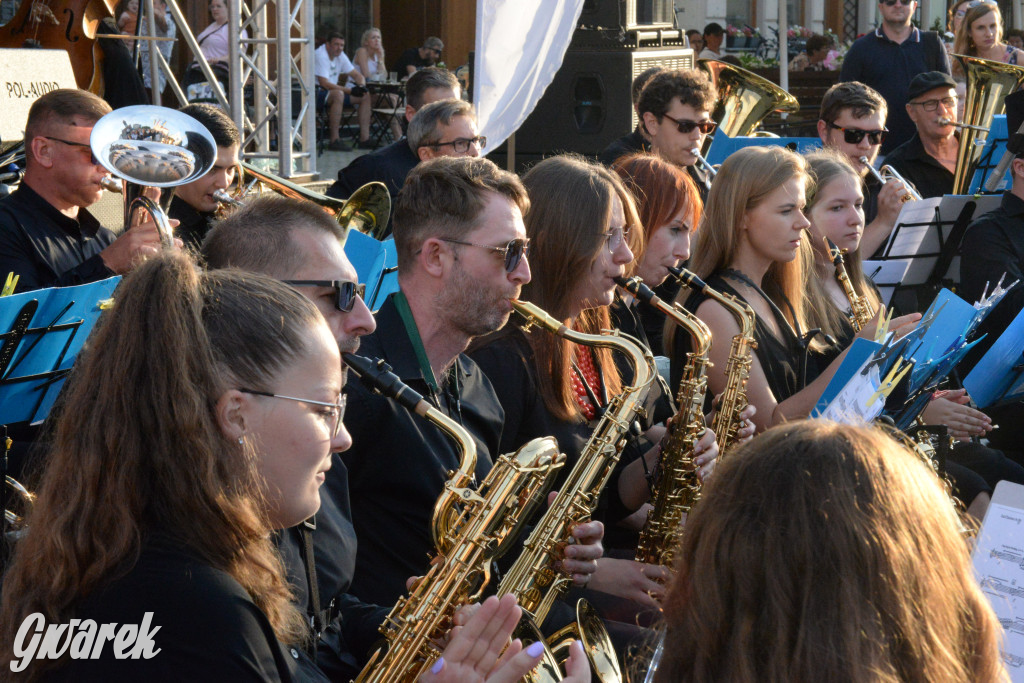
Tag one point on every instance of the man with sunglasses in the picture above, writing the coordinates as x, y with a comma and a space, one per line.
48, 238
928, 160
462, 251
675, 111
852, 121
889, 57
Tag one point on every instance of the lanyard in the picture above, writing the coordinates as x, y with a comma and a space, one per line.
402, 304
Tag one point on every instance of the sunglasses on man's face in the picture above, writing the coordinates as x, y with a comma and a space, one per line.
853, 136
513, 252
345, 293
890, 3
686, 126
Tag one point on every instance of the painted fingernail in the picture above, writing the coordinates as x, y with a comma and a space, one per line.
438, 665
535, 649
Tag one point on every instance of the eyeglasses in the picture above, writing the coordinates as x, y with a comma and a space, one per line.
890, 3
615, 237
932, 105
514, 251
335, 415
461, 145
345, 292
92, 157
686, 126
853, 136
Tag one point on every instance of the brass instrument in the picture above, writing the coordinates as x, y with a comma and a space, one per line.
470, 527
726, 421
147, 146
744, 98
943, 121
988, 84
860, 308
14, 520
887, 173
535, 578
709, 170
676, 487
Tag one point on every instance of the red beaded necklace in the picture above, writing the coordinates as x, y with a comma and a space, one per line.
585, 363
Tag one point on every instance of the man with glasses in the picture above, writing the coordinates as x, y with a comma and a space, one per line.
416, 58
852, 121
888, 58
928, 160
675, 111
462, 258
445, 129
48, 238
298, 243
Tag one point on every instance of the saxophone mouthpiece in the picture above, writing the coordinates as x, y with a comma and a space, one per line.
636, 287
376, 375
834, 251
688, 277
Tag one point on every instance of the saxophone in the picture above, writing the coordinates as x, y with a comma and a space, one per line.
860, 308
726, 421
535, 579
676, 486
478, 526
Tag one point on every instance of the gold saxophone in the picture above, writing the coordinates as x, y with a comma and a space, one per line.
860, 308
726, 421
535, 578
471, 528
676, 487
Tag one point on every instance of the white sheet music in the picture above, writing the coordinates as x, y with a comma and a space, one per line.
909, 240
886, 275
999, 566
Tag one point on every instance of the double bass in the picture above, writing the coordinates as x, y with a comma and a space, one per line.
69, 25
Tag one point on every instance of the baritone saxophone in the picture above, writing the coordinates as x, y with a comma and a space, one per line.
536, 578
676, 486
726, 421
477, 526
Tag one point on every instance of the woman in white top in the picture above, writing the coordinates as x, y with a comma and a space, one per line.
369, 59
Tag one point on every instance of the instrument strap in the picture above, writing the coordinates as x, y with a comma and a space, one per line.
316, 620
402, 305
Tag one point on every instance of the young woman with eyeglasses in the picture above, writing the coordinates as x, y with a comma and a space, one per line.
189, 431
981, 35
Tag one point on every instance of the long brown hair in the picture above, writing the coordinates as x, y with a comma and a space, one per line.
661, 190
827, 165
847, 565
570, 210
137, 448
963, 44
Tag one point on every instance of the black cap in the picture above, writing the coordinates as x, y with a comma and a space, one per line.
1014, 119
929, 80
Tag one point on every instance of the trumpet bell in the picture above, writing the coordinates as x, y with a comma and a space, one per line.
744, 98
153, 146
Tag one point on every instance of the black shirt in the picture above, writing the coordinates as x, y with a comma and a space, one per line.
911, 161
399, 461
410, 57
209, 627
193, 224
627, 144
45, 247
389, 165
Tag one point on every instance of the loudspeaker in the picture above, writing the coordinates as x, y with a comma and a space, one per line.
587, 105
628, 14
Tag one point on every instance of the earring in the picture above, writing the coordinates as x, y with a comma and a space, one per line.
241, 441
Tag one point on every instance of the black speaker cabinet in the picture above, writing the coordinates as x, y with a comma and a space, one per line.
587, 106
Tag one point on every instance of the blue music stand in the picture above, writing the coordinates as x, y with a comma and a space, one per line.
722, 145
995, 146
376, 264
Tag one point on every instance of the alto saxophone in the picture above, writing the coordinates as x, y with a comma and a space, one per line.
477, 526
676, 487
860, 308
535, 578
726, 421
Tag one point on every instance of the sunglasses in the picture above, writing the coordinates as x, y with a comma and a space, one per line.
853, 136
890, 3
345, 293
70, 143
513, 252
687, 126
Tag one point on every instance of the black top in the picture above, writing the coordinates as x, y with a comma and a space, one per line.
193, 224
398, 461
993, 245
624, 146
659, 406
931, 178
389, 165
779, 358
203, 622
888, 67
45, 247
410, 57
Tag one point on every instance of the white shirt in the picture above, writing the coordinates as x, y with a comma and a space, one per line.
329, 68
708, 53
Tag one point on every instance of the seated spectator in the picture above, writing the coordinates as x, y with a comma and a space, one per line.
369, 60
391, 164
416, 58
714, 34
813, 57
331, 64
696, 39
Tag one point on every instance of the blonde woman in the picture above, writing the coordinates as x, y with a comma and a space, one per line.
369, 59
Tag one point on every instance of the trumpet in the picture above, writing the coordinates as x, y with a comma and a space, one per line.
943, 121
887, 173
708, 168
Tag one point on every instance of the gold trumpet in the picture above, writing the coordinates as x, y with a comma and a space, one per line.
887, 173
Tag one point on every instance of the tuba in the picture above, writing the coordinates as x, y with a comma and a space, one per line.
744, 98
988, 84
148, 146
471, 528
534, 579
676, 486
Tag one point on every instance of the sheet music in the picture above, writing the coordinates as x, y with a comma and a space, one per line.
853, 404
886, 276
999, 566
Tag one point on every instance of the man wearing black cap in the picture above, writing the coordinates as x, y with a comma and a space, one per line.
928, 160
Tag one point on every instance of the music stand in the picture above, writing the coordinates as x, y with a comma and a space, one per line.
722, 145
995, 146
